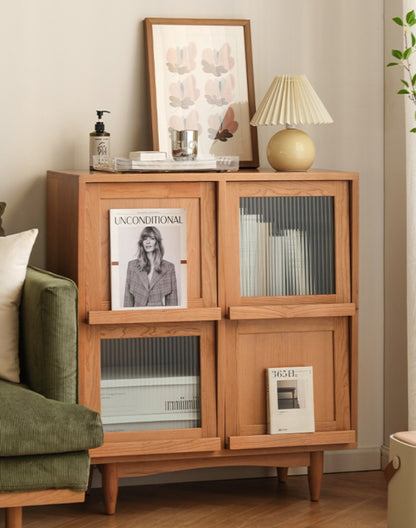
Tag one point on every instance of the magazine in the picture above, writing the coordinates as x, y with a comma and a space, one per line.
290, 407
148, 258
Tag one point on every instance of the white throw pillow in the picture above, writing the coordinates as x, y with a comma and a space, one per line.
14, 256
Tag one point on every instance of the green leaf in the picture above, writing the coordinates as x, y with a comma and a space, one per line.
398, 21
397, 53
411, 18
413, 130
405, 82
407, 53
413, 40
403, 91
393, 64
414, 79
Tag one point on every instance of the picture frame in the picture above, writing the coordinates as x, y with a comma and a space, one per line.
200, 77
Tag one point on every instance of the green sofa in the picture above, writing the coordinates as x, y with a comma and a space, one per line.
45, 434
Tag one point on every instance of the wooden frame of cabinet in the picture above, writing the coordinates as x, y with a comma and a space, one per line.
232, 428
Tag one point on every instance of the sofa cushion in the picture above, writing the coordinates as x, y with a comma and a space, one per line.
49, 335
2, 208
44, 472
14, 256
33, 425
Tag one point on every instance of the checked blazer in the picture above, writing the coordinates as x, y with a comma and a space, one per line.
162, 290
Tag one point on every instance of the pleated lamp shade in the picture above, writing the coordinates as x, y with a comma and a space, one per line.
291, 100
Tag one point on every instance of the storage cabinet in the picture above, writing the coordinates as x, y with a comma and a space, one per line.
271, 282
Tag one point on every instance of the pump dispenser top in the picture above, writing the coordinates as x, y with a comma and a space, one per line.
100, 141
99, 125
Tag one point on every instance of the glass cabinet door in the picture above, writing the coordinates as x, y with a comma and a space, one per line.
150, 383
290, 241
287, 245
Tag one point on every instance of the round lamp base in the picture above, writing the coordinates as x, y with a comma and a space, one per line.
291, 150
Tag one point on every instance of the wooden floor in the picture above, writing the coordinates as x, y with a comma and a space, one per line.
347, 500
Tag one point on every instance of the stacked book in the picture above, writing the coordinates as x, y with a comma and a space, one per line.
127, 164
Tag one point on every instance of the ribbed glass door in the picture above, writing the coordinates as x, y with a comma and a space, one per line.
150, 383
287, 246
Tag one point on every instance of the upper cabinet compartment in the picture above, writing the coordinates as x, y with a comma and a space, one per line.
291, 242
197, 198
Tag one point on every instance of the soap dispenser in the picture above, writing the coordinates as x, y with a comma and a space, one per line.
100, 141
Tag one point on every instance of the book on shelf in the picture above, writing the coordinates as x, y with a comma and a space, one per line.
147, 155
290, 406
273, 264
148, 258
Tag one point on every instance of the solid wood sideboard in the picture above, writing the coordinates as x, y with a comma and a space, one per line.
272, 281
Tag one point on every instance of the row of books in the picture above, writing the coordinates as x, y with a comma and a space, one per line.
273, 264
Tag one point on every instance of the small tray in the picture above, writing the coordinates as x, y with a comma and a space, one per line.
217, 164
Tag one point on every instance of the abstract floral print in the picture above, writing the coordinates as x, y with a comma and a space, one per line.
181, 60
184, 93
219, 89
219, 61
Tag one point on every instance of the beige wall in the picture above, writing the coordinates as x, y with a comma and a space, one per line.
60, 61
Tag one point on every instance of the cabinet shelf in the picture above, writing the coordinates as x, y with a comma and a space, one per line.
285, 311
323, 438
151, 447
102, 317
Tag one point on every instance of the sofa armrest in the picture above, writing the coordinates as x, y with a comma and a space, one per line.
49, 335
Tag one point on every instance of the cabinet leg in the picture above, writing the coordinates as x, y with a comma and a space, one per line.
282, 474
315, 472
14, 517
110, 487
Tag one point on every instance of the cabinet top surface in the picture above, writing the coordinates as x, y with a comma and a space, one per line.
86, 176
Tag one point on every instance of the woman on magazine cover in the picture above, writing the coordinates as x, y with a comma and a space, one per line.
151, 280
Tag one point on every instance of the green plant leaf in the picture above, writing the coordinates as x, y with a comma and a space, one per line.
403, 91
393, 64
411, 18
397, 53
413, 130
398, 21
413, 40
407, 53
405, 82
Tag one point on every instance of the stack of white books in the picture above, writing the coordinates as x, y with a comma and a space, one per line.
124, 164
148, 155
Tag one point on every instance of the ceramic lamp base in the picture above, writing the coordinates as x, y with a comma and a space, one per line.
291, 150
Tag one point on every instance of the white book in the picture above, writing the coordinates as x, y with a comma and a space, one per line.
277, 265
254, 234
134, 286
290, 407
146, 155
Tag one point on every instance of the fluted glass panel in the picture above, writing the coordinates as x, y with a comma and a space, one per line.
287, 246
150, 383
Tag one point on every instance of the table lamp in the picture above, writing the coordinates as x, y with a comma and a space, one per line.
291, 100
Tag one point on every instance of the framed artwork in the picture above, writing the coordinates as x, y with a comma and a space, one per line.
200, 75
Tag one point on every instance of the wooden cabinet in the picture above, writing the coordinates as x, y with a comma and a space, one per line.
271, 282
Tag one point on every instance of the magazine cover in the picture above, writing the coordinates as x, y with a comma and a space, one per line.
148, 258
290, 406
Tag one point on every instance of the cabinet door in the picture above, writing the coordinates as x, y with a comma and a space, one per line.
255, 346
198, 199
289, 242
155, 387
